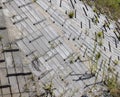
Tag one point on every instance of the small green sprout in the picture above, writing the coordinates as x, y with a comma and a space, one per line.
98, 55
99, 34
71, 14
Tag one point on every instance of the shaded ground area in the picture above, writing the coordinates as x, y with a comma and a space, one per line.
14, 74
109, 7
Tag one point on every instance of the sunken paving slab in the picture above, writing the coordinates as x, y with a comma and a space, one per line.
11, 63
13, 73
59, 49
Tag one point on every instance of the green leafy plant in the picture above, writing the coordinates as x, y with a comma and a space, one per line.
92, 66
78, 58
99, 38
96, 20
99, 34
95, 10
71, 14
71, 61
34, 0
94, 49
116, 62
97, 56
113, 86
49, 89
112, 83
100, 43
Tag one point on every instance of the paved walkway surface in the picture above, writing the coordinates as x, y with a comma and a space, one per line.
62, 53
11, 63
